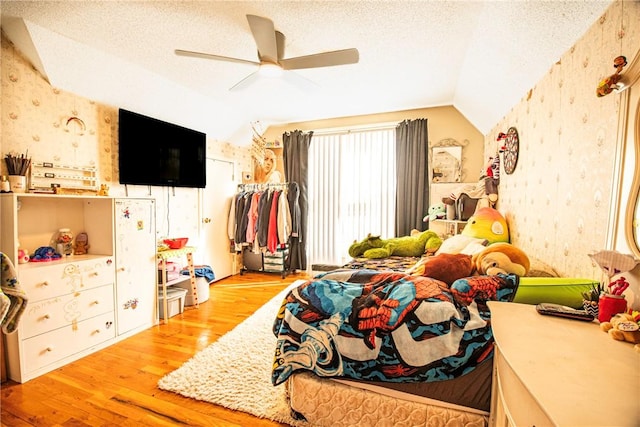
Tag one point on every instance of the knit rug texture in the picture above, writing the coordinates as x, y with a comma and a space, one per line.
235, 370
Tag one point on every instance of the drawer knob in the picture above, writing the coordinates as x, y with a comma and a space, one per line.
49, 349
96, 302
46, 317
45, 283
122, 269
97, 331
93, 274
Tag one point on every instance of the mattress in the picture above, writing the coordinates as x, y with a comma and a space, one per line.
558, 290
340, 402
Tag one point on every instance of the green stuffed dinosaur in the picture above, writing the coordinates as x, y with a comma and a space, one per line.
417, 244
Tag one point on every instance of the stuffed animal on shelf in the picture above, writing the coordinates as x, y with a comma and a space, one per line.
624, 327
501, 258
438, 211
611, 83
104, 190
417, 244
487, 223
81, 246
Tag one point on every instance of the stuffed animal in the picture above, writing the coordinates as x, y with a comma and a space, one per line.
611, 83
487, 223
438, 211
417, 244
624, 327
501, 258
81, 246
104, 190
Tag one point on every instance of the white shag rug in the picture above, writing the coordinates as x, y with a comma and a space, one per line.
235, 371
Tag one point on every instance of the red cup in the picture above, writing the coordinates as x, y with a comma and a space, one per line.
610, 305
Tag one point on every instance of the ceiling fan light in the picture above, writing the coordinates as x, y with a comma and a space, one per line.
270, 70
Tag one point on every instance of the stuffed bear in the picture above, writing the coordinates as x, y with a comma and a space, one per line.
417, 244
623, 327
438, 211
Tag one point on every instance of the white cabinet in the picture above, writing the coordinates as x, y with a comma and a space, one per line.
135, 240
78, 304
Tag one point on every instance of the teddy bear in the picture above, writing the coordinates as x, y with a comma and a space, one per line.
438, 211
624, 327
104, 190
416, 244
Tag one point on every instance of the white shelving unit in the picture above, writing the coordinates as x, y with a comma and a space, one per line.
77, 304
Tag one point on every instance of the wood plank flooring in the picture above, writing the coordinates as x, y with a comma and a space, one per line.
117, 386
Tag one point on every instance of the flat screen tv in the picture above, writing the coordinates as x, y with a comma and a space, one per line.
155, 152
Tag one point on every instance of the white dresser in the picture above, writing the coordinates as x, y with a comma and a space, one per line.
550, 371
80, 303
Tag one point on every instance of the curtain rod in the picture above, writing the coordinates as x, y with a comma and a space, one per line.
356, 128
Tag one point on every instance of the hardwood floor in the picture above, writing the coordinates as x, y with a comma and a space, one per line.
117, 386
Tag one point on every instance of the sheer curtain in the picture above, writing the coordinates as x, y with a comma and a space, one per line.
352, 191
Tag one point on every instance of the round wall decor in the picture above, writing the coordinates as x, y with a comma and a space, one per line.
510, 149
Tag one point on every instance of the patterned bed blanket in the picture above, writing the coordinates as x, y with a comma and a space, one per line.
387, 326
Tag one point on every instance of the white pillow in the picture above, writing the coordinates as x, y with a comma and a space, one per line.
458, 244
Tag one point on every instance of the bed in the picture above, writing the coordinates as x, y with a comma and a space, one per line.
367, 347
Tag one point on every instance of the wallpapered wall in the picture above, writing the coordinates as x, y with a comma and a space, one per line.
558, 200
34, 122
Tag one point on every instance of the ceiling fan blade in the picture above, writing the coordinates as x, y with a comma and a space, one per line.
325, 59
280, 40
300, 82
215, 57
265, 36
245, 83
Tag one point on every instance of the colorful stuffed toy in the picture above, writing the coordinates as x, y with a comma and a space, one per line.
438, 211
487, 223
624, 327
417, 244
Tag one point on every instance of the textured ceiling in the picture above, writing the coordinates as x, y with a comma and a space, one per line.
479, 56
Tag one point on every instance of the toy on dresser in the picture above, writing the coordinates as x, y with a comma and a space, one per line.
624, 327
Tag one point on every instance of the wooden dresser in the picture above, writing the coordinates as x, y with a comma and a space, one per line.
550, 371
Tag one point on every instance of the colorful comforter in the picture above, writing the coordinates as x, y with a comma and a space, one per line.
387, 326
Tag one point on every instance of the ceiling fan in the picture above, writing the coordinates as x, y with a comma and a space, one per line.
271, 61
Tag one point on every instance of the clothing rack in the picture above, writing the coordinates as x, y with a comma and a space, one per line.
262, 186
261, 231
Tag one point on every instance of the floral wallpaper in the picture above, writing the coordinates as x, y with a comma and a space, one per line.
35, 122
558, 200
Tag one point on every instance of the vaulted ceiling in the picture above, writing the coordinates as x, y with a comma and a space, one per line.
479, 56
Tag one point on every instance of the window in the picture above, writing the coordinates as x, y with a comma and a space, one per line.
352, 184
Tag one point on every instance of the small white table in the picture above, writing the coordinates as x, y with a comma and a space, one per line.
550, 371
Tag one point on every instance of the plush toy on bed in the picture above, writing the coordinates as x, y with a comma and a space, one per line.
417, 244
497, 258
487, 223
501, 258
624, 327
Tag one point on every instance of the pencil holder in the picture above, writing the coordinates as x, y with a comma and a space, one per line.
18, 183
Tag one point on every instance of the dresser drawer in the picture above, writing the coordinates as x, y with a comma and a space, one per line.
65, 277
53, 346
46, 315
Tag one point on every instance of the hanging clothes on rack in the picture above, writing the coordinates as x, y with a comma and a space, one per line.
260, 217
